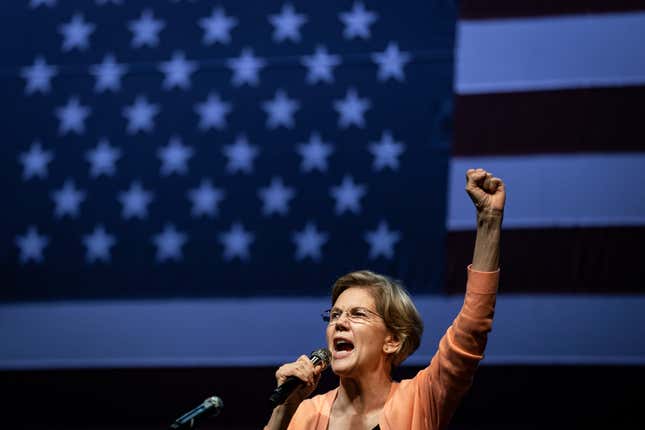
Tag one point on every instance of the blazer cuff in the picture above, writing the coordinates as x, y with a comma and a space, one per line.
482, 282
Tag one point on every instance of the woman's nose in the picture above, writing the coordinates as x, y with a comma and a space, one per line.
342, 322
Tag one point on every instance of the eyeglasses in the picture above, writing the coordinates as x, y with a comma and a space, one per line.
356, 315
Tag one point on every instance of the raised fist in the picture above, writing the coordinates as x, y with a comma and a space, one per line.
486, 192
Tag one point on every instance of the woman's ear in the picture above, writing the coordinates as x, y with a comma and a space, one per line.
392, 344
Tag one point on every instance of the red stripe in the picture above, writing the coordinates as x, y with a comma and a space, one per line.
579, 260
477, 9
564, 121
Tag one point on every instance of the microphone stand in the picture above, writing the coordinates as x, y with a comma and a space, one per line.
211, 407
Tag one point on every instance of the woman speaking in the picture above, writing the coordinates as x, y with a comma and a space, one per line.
373, 326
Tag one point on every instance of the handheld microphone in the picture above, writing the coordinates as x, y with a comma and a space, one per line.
211, 407
319, 357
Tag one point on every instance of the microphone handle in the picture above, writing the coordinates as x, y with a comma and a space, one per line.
281, 393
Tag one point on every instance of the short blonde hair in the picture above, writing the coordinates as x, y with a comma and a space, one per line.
393, 303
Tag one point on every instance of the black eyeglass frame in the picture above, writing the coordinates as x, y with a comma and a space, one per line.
327, 318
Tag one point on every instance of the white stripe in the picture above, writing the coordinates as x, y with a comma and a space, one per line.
581, 190
550, 53
546, 329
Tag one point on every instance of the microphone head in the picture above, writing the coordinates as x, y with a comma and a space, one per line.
214, 401
215, 404
320, 357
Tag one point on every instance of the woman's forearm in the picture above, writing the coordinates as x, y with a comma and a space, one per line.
486, 254
281, 417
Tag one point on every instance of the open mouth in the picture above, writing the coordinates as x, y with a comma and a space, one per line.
342, 348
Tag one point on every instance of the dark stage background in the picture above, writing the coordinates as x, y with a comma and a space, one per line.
502, 397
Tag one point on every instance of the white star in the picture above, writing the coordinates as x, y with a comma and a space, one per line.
240, 155
314, 153
246, 68
177, 71
169, 243
308, 242
351, 109
280, 110
212, 112
98, 245
67, 200
72, 117
286, 24
108, 74
146, 30
31, 245
102, 158
33, 4
386, 152
357, 21
135, 201
382, 241
391, 62
348, 195
76, 33
205, 199
38, 76
35, 161
236, 242
275, 197
174, 157
140, 115
320, 65
217, 27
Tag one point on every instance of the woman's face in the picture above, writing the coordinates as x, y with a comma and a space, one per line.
357, 342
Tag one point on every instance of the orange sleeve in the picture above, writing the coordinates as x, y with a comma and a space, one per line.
439, 387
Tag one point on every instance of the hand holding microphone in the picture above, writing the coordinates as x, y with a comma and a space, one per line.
299, 379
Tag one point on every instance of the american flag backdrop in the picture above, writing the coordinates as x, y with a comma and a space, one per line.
211, 149
184, 179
